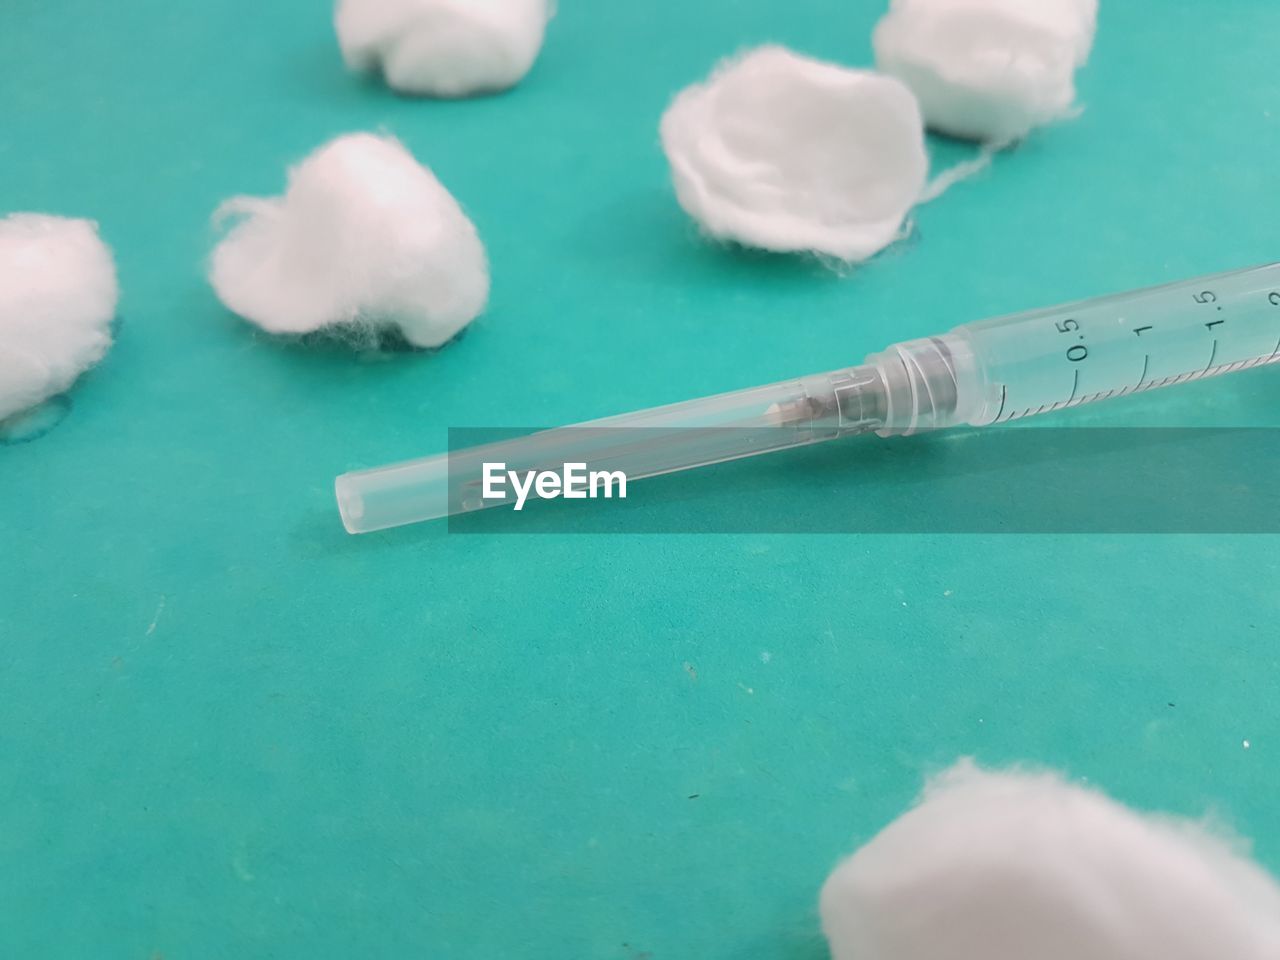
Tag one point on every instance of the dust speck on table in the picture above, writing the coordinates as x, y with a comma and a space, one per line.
151, 628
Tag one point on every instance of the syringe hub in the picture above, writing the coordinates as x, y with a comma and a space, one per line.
922, 384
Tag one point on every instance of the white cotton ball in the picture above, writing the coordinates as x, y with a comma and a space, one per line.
779, 151
1009, 866
443, 48
58, 296
364, 238
987, 69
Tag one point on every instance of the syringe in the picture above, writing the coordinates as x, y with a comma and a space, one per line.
992, 371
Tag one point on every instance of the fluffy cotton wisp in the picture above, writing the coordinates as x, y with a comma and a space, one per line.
1012, 866
783, 152
364, 239
987, 70
443, 48
58, 295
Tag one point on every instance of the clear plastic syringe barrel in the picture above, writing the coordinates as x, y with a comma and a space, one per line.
1045, 360
980, 373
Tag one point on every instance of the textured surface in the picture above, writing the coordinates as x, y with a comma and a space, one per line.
364, 238
227, 729
783, 152
58, 298
1006, 865
989, 70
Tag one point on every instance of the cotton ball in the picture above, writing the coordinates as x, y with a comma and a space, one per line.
58, 297
1009, 866
987, 69
779, 151
443, 48
364, 239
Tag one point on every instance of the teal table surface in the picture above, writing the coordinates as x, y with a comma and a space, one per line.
227, 729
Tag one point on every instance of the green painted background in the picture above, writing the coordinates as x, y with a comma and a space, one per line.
229, 730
